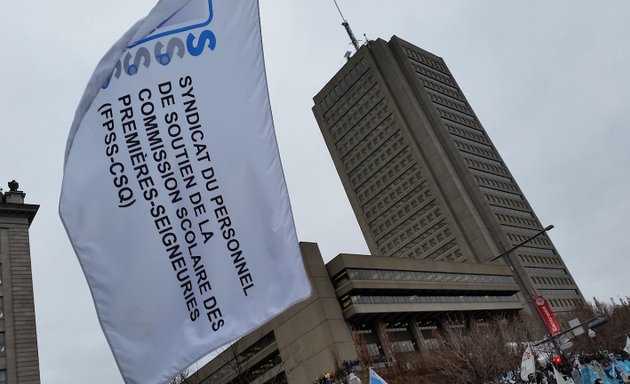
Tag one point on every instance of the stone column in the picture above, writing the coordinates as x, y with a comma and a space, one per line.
417, 336
383, 340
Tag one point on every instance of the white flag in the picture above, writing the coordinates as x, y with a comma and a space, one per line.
173, 194
627, 347
528, 364
560, 378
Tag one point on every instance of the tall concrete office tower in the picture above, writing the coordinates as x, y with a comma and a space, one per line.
18, 338
421, 173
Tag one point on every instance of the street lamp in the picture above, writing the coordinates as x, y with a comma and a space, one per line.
523, 287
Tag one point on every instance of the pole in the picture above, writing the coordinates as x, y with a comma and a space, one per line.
346, 25
351, 34
523, 287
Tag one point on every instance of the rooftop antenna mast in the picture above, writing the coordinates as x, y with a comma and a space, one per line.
346, 25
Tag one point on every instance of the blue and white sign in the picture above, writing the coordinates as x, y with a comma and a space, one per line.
173, 194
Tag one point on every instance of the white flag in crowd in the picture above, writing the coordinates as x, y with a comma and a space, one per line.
627, 347
173, 194
528, 364
560, 378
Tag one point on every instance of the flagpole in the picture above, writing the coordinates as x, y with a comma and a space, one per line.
346, 25
526, 291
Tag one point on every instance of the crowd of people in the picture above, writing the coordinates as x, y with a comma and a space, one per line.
603, 367
347, 366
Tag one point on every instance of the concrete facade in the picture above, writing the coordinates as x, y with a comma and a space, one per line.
421, 173
296, 346
387, 305
19, 362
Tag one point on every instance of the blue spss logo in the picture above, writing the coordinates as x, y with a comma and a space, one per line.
158, 47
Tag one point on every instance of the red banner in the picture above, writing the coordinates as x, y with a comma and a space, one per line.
547, 315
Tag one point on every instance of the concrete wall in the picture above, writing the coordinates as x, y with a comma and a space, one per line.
312, 336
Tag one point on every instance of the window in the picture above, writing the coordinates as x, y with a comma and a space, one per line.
2, 344
423, 276
3, 376
403, 346
372, 348
1, 307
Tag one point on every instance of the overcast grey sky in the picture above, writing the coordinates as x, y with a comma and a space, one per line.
550, 82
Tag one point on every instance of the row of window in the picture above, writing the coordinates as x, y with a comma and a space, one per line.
392, 169
379, 160
376, 201
451, 103
424, 246
474, 162
518, 238
512, 220
408, 205
356, 91
540, 260
447, 252
546, 271
468, 146
566, 302
557, 292
504, 202
457, 130
419, 57
369, 110
378, 119
552, 280
490, 181
440, 88
415, 223
424, 72
418, 276
450, 115
342, 86
416, 229
403, 346
362, 148
348, 300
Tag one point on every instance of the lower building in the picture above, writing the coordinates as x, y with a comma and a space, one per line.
19, 361
387, 305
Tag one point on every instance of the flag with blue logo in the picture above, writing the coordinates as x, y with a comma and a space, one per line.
173, 195
375, 378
